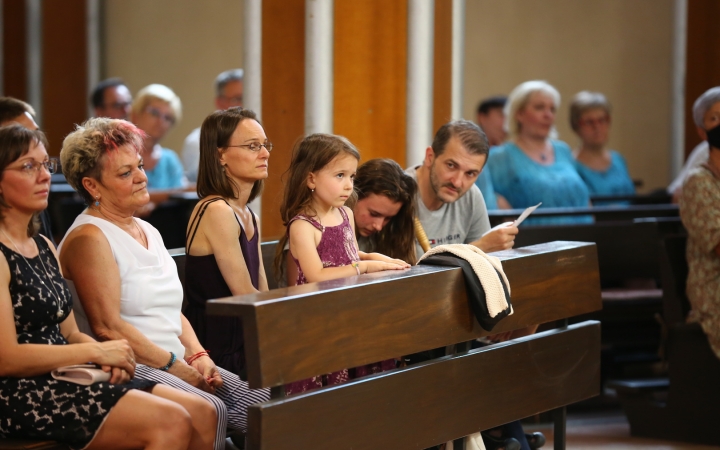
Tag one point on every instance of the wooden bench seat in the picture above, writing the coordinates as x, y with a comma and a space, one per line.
302, 331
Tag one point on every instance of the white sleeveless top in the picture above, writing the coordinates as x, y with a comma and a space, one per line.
151, 294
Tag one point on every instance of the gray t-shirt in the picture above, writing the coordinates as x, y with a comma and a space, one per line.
461, 222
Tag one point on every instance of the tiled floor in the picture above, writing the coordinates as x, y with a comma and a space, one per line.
607, 430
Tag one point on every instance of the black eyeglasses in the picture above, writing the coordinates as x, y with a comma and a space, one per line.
33, 167
255, 146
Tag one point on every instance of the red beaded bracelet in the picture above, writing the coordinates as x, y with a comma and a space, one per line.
197, 355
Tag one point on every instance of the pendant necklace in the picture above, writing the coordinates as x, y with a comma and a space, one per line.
52, 285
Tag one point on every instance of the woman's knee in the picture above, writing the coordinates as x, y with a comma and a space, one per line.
203, 410
175, 420
141, 420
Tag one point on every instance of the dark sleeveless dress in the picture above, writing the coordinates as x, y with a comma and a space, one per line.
41, 407
336, 249
221, 336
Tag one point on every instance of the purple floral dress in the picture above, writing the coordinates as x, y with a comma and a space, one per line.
336, 249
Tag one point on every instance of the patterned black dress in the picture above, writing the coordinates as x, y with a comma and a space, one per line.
41, 407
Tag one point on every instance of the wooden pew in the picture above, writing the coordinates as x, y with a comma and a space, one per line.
627, 250
654, 198
600, 213
683, 406
294, 333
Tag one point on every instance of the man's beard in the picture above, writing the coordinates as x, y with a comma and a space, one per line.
435, 185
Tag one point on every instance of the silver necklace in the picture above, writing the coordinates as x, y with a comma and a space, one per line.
52, 285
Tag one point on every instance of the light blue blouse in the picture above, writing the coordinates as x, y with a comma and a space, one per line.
168, 173
524, 182
613, 181
486, 187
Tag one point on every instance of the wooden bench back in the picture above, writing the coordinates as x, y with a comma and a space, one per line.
601, 213
439, 400
268, 255
625, 249
294, 333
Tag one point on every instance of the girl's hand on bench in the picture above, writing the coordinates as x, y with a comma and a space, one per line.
378, 266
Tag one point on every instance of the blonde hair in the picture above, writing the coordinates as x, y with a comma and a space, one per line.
519, 98
83, 149
157, 92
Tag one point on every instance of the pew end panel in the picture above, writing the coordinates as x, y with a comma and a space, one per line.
298, 332
439, 400
268, 256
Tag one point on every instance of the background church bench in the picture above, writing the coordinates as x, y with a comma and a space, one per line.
630, 272
685, 405
294, 333
601, 213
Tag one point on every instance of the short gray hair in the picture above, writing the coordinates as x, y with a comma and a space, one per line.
519, 97
704, 103
584, 101
224, 78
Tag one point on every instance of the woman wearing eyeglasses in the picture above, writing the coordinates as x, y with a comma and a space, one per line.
603, 170
223, 236
38, 334
127, 282
155, 110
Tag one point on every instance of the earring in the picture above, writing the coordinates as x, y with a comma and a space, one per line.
97, 202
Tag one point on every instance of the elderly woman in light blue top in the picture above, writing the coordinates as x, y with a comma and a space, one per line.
533, 167
603, 170
155, 110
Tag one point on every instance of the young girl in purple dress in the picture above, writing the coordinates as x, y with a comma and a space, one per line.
320, 228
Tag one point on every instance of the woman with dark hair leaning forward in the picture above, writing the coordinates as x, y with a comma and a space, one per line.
385, 210
127, 281
118, 413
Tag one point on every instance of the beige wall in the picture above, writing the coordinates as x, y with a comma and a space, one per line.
622, 48
183, 44
619, 47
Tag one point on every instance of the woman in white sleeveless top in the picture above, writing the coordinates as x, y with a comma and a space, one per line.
125, 278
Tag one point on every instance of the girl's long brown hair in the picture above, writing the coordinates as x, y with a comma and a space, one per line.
310, 155
385, 177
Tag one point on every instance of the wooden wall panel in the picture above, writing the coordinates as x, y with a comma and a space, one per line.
64, 60
14, 59
703, 59
283, 98
442, 74
370, 55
